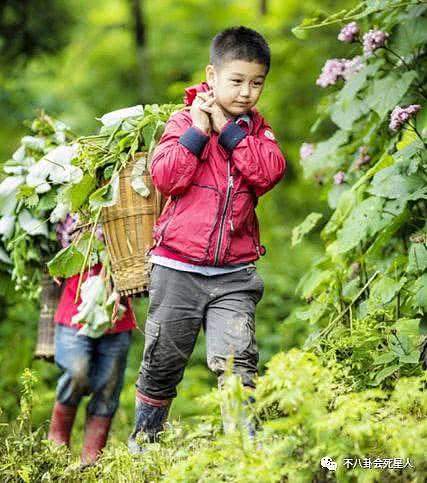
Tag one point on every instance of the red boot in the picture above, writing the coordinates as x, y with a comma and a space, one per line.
96, 435
61, 423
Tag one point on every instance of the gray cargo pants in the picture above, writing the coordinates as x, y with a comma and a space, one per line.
182, 302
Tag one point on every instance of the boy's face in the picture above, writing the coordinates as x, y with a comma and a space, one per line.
237, 85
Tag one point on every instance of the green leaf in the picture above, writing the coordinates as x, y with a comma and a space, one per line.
312, 280
410, 35
335, 194
66, 262
383, 374
299, 32
386, 93
326, 155
108, 172
78, 193
385, 289
364, 221
28, 195
305, 227
348, 108
412, 358
315, 309
390, 229
417, 261
384, 358
350, 289
25, 191
345, 204
48, 201
105, 196
389, 183
420, 287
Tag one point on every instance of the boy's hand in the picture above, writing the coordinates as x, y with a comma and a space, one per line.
217, 116
199, 114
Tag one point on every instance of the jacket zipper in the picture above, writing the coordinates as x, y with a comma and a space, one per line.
224, 211
159, 241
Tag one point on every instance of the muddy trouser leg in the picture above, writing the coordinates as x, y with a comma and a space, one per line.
230, 330
107, 372
73, 356
175, 314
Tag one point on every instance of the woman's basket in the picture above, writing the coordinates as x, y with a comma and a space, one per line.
128, 231
49, 298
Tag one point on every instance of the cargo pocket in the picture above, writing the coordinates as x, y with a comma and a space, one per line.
152, 334
252, 348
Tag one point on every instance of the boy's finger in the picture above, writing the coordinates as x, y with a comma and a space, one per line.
204, 96
209, 102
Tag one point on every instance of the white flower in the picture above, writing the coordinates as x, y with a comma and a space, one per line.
61, 169
113, 117
10, 185
15, 166
33, 226
4, 257
92, 292
37, 173
8, 191
43, 188
34, 142
13, 169
66, 174
59, 212
7, 224
19, 154
62, 155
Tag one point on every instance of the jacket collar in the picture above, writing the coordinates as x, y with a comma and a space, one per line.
252, 118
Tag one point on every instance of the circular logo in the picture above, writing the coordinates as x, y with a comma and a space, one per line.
269, 135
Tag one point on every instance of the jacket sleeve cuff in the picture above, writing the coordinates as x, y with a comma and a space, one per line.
194, 140
231, 136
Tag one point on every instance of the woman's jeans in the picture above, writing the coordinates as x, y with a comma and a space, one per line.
91, 366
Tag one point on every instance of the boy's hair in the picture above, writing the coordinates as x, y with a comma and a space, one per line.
239, 43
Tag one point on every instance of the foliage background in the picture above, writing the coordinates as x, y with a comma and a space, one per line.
87, 58
93, 64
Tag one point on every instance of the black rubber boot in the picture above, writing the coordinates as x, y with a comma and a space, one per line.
150, 416
243, 419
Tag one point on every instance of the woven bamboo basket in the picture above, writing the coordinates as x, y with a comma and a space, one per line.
128, 232
49, 298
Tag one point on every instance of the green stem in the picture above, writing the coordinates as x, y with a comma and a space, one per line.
26, 233
341, 314
421, 88
89, 246
350, 15
417, 133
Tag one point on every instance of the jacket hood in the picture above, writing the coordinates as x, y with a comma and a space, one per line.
192, 91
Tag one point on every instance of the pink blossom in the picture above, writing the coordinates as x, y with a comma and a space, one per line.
400, 115
332, 71
306, 150
349, 32
352, 66
336, 69
339, 177
65, 229
99, 234
373, 40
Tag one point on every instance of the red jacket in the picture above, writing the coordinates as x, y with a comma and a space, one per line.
67, 308
213, 183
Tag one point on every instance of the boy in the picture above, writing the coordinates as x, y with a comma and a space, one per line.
89, 366
213, 161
